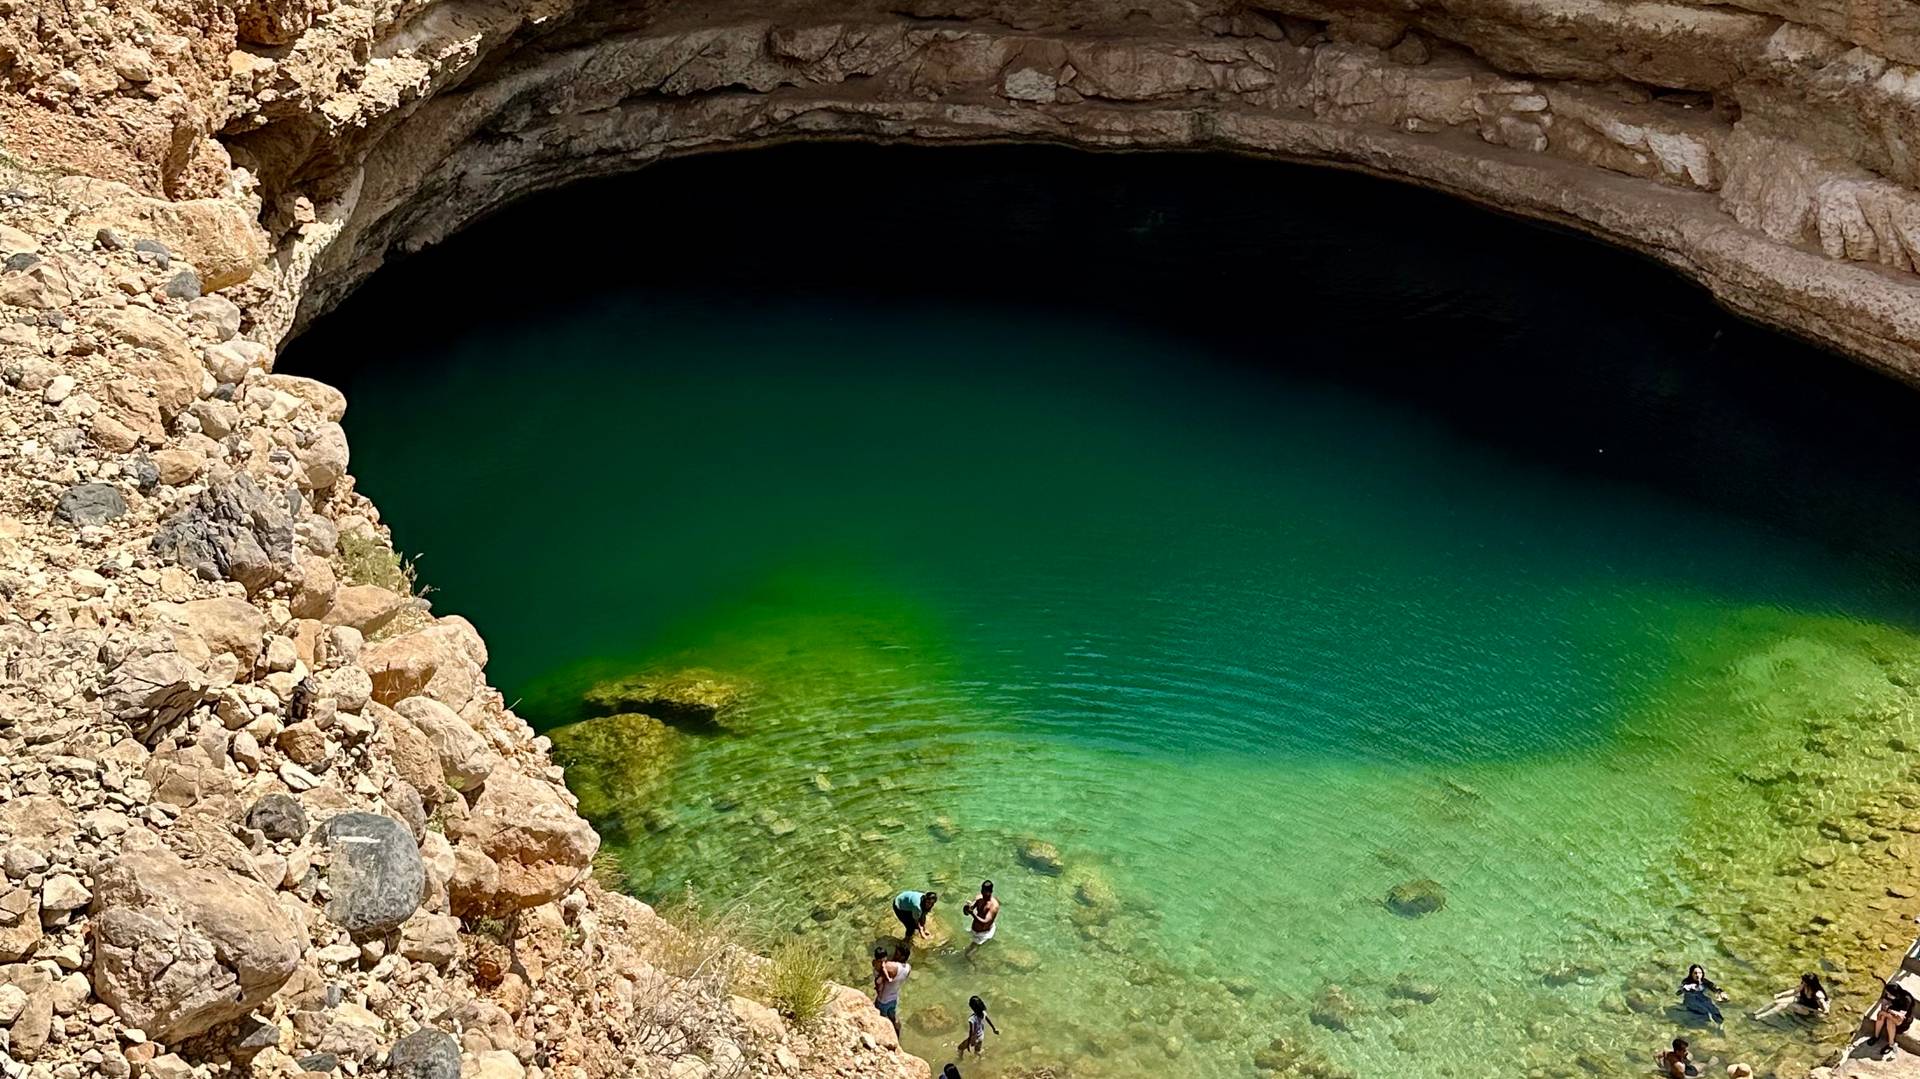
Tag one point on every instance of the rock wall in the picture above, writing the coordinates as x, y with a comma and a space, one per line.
258, 804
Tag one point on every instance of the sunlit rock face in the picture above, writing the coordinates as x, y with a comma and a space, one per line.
1761, 147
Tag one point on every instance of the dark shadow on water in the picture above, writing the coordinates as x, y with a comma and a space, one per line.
1532, 339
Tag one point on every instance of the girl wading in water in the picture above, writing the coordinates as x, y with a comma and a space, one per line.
1699, 993
1809, 999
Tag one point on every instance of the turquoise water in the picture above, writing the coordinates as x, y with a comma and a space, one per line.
1248, 644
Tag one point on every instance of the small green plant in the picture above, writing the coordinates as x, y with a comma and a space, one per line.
608, 872
498, 930
366, 560
706, 942
796, 980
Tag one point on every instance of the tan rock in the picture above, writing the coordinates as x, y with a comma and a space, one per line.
531, 832
178, 466
329, 403
325, 457
465, 759
314, 588
410, 752
220, 237
180, 949
443, 661
227, 626
306, 744
431, 938
169, 365
19, 924
111, 435
365, 607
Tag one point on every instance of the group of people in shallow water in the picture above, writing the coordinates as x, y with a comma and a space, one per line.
1700, 996
891, 966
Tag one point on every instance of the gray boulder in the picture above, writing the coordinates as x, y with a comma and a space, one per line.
278, 816
232, 531
424, 1054
90, 504
376, 874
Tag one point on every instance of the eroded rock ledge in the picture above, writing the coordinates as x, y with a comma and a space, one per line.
258, 804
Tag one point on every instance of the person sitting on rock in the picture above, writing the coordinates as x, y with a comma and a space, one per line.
1698, 993
1677, 1062
912, 908
1809, 999
985, 911
977, 1025
1893, 1013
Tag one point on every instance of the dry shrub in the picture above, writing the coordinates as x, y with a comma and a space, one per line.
796, 980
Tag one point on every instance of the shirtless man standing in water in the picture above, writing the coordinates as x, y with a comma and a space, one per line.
985, 911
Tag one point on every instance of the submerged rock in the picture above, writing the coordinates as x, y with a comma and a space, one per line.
1040, 856
1407, 987
1416, 897
617, 763
693, 699
1333, 1009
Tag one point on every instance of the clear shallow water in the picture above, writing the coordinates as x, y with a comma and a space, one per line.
1251, 628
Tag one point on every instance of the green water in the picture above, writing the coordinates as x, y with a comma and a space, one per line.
1248, 648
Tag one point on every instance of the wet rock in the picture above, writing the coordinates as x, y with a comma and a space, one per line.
376, 875
231, 531
278, 817
180, 949
942, 829
1040, 856
933, 1019
88, 504
424, 1054
1414, 898
1333, 1009
687, 699
1407, 987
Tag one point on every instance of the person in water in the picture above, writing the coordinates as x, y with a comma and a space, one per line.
984, 909
950, 1072
889, 974
977, 1025
1677, 1062
1893, 1013
1809, 999
1698, 993
912, 908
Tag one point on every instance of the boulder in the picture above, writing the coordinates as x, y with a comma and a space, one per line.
324, 457
376, 876
1414, 898
314, 587
168, 362
465, 760
365, 607
431, 938
278, 816
442, 661
152, 689
528, 829
179, 949
226, 625
1040, 856
219, 236
231, 531
328, 402
1333, 1009
425, 1054
688, 698
19, 924
88, 504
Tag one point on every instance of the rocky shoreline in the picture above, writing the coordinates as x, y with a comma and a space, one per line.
257, 806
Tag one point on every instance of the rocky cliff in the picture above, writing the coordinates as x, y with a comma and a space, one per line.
258, 804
